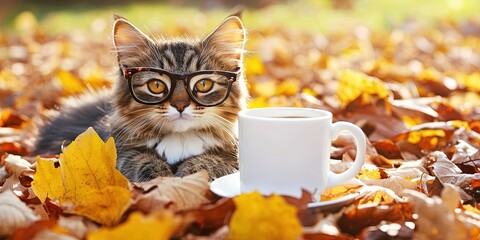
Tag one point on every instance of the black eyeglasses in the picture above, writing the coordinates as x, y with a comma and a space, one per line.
151, 86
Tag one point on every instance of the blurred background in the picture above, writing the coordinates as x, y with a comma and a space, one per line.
356, 58
311, 15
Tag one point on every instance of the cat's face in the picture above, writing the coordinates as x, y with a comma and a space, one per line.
221, 50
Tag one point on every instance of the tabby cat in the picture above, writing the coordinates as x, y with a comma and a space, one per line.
173, 109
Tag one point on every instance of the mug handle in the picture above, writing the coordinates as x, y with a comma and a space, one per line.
360, 142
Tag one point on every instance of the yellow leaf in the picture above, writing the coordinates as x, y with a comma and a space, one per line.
70, 83
471, 81
310, 92
98, 204
459, 124
377, 194
339, 191
47, 181
86, 178
411, 121
258, 102
257, 217
416, 136
96, 78
369, 173
429, 74
158, 226
8, 81
471, 208
264, 89
93, 163
288, 87
254, 65
356, 84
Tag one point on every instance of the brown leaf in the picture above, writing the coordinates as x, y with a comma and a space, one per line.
208, 218
447, 172
356, 219
388, 149
387, 231
32, 230
9, 118
326, 225
172, 193
466, 154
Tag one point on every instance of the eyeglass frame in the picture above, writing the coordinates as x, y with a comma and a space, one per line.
174, 77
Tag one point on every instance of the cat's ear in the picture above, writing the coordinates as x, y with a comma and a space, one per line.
227, 41
129, 41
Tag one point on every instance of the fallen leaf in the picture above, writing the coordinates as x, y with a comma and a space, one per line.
367, 173
258, 217
75, 225
378, 194
105, 206
32, 230
172, 193
355, 219
326, 225
466, 154
158, 225
396, 184
52, 234
438, 218
85, 171
14, 213
353, 85
339, 191
208, 218
408, 170
70, 83
447, 172
388, 231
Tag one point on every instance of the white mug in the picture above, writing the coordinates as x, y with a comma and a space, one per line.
284, 150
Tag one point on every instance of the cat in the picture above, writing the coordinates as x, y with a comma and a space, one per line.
173, 108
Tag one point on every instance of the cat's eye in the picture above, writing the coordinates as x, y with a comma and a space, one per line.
156, 86
204, 85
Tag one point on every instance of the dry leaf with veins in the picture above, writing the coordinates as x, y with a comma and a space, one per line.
14, 213
85, 179
17, 165
378, 194
172, 193
396, 184
439, 218
447, 172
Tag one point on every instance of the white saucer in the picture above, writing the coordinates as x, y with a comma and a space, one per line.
229, 186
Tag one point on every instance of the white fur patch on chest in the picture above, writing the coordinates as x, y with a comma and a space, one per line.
176, 147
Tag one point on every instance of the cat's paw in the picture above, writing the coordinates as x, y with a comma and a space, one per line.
215, 167
151, 171
186, 169
143, 166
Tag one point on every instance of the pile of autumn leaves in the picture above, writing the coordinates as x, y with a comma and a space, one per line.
414, 92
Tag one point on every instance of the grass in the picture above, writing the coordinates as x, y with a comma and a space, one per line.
307, 15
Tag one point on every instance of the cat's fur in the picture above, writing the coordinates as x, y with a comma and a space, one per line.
151, 141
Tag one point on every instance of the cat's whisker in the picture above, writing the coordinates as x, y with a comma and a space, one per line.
219, 122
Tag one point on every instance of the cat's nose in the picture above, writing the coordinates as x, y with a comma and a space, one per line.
180, 106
